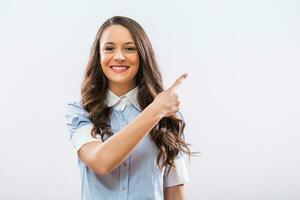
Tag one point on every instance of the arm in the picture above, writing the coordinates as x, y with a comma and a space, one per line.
174, 192
103, 157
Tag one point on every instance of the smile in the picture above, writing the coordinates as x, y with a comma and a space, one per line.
119, 68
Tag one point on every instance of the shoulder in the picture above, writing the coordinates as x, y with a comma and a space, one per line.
74, 103
75, 107
76, 115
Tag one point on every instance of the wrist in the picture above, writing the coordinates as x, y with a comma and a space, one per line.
155, 111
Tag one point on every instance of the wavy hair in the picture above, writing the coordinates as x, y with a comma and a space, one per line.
167, 134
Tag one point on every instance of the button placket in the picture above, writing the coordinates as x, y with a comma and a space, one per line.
124, 168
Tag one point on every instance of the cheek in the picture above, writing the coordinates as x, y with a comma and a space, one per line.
104, 64
134, 59
104, 59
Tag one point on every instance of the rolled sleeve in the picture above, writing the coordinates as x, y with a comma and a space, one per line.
79, 126
178, 174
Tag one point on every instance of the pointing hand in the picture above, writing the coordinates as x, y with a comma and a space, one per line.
167, 101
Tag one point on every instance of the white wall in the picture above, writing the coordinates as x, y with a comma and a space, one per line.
240, 101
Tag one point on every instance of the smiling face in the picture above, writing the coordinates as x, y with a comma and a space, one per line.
119, 58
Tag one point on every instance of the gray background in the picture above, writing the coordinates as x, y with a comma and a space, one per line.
240, 101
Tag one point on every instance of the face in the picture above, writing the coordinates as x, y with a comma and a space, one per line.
119, 57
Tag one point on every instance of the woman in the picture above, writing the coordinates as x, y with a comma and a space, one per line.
126, 130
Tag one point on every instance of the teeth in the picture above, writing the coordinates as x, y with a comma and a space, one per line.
117, 67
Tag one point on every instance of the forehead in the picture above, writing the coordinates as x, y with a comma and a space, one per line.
116, 34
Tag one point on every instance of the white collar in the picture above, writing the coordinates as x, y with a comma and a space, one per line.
119, 103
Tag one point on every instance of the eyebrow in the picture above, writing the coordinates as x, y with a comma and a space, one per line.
114, 43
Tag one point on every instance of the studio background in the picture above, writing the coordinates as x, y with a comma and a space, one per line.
241, 100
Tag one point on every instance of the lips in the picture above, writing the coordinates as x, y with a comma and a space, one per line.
119, 68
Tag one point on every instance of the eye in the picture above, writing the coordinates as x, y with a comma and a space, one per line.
108, 49
130, 49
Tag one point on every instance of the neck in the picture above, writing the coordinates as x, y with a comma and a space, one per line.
121, 89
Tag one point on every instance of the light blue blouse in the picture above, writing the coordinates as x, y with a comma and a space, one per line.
138, 177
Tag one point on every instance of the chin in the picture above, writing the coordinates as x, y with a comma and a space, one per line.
120, 80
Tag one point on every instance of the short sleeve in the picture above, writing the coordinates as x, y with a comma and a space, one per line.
79, 125
178, 174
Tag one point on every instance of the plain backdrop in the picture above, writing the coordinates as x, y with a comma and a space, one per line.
241, 101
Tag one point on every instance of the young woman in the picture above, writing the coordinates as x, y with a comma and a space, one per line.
126, 129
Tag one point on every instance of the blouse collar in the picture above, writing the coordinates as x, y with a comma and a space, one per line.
119, 103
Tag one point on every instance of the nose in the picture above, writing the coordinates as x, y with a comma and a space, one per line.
119, 56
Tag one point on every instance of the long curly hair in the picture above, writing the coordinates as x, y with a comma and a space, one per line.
167, 134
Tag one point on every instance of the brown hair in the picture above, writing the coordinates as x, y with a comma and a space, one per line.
168, 132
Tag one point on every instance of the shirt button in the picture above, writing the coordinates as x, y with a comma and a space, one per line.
125, 163
124, 188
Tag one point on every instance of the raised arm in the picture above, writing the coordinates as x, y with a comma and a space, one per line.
103, 157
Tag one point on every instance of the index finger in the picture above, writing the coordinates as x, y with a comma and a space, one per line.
179, 81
